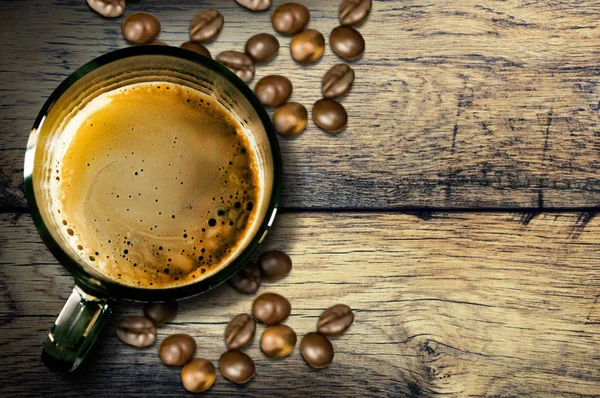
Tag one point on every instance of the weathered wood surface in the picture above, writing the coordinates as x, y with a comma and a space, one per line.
457, 104
450, 304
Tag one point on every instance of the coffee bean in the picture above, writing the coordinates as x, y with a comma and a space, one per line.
198, 375
353, 12
255, 5
278, 341
335, 320
273, 90
237, 367
262, 47
158, 43
140, 27
271, 308
290, 18
239, 63
347, 42
308, 46
329, 115
247, 280
108, 8
177, 350
206, 25
316, 350
290, 118
137, 331
196, 47
160, 313
337, 81
240, 331
275, 264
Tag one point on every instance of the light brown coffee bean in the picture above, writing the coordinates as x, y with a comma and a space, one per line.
247, 280
237, 366
158, 43
337, 81
316, 350
177, 350
308, 46
273, 90
239, 63
278, 341
255, 5
196, 47
347, 42
353, 12
198, 375
262, 47
137, 331
160, 313
290, 18
335, 320
290, 119
108, 8
206, 25
240, 331
140, 28
275, 264
330, 115
271, 308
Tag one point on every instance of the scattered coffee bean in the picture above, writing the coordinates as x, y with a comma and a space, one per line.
329, 115
160, 313
316, 350
158, 43
247, 280
275, 264
308, 46
177, 350
347, 42
206, 25
262, 47
240, 331
137, 331
353, 12
278, 341
196, 47
237, 367
140, 27
198, 375
337, 81
335, 320
239, 63
271, 308
290, 118
255, 5
108, 8
273, 90
290, 18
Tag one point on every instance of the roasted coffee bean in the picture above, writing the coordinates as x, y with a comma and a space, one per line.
140, 27
237, 367
273, 90
239, 63
329, 115
158, 43
240, 331
206, 25
271, 308
275, 264
196, 47
278, 341
262, 47
177, 350
290, 18
160, 313
255, 5
316, 350
347, 42
308, 46
353, 12
108, 8
335, 320
137, 331
337, 81
290, 118
198, 375
247, 280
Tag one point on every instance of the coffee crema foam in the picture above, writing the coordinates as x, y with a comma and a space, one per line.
155, 186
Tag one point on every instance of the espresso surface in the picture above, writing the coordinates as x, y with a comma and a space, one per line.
156, 186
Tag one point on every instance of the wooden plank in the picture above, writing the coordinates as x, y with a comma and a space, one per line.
446, 304
463, 104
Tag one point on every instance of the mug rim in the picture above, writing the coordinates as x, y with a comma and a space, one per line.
101, 285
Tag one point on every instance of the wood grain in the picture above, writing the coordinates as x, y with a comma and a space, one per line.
457, 104
446, 305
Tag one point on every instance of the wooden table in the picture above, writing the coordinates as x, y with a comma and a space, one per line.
455, 214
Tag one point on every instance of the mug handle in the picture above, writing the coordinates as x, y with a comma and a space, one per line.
75, 331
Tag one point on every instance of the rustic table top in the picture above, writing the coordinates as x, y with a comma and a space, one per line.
481, 119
